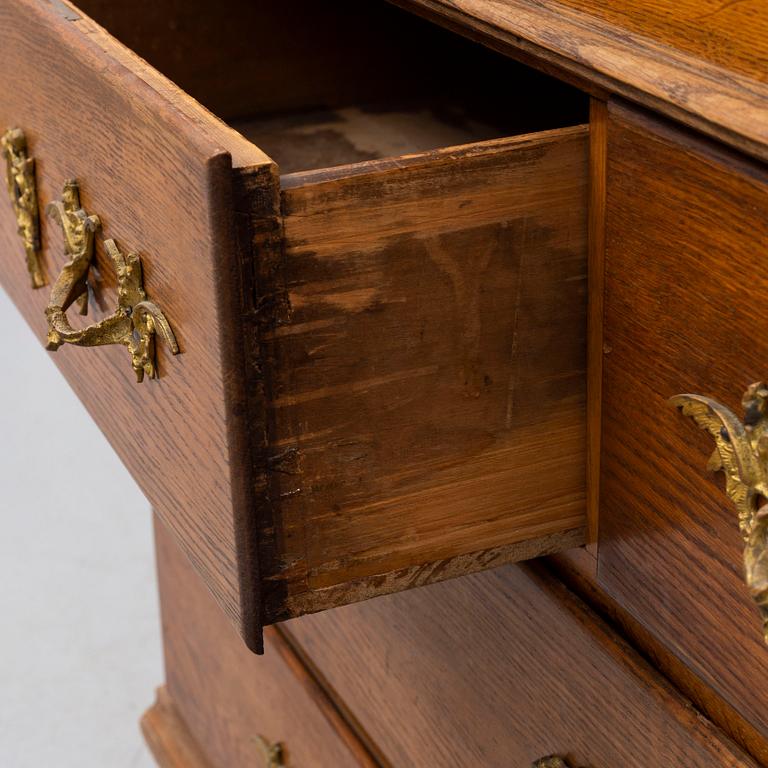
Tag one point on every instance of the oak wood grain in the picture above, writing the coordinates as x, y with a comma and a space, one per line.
537, 674
701, 62
731, 35
427, 372
577, 568
686, 225
157, 169
226, 697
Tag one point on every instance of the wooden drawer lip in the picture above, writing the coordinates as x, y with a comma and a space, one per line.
619, 56
151, 92
441, 155
354, 591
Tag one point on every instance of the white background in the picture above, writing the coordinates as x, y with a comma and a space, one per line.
79, 628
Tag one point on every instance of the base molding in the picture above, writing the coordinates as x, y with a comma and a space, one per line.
168, 737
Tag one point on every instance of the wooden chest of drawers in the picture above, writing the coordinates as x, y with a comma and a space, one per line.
426, 682
422, 303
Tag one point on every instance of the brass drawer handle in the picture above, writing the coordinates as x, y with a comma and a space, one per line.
741, 452
135, 320
22, 190
550, 762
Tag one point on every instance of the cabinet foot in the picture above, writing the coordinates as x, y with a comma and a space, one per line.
168, 737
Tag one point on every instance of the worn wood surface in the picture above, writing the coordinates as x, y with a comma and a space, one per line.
687, 224
702, 62
157, 169
401, 323
227, 697
427, 373
314, 139
537, 675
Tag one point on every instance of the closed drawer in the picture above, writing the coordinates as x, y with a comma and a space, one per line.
382, 347
230, 707
686, 236
499, 669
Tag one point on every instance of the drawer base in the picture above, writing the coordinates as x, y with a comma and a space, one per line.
220, 695
168, 737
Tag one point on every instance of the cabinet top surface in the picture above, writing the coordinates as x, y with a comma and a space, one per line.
703, 62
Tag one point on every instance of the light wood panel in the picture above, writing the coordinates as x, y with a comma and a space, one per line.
168, 737
577, 568
731, 35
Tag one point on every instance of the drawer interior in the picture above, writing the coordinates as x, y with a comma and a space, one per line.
317, 85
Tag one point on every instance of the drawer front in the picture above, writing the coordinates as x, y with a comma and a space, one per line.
501, 669
232, 702
157, 170
687, 234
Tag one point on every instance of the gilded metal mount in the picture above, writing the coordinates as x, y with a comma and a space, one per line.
22, 190
274, 756
135, 321
550, 762
741, 452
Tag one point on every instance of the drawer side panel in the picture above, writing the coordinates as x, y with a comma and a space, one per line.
429, 399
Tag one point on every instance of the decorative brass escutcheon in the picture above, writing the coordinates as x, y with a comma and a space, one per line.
741, 452
22, 190
135, 321
273, 753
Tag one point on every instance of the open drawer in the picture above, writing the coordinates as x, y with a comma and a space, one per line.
377, 284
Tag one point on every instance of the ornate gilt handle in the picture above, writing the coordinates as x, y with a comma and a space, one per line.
22, 191
134, 322
741, 452
550, 762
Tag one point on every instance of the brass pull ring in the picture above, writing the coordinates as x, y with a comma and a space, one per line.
741, 452
134, 322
